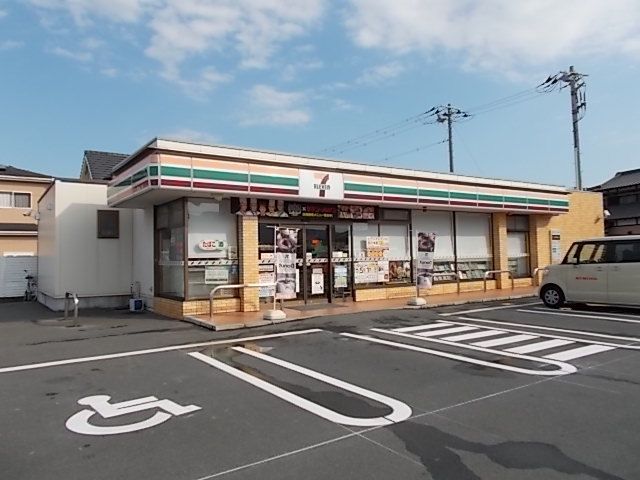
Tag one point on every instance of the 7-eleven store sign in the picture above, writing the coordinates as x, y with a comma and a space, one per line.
321, 185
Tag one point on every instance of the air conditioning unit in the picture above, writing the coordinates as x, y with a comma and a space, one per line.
136, 305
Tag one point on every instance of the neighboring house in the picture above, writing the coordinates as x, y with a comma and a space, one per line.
19, 193
621, 202
97, 166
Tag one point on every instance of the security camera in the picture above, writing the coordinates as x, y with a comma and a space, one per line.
607, 214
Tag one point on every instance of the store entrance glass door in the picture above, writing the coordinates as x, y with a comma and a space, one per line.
316, 264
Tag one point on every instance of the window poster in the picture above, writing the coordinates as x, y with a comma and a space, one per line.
365, 272
266, 277
340, 276
317, 281
383, 271
214, 275
426, 248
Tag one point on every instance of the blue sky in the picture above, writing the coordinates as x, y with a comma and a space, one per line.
301, 76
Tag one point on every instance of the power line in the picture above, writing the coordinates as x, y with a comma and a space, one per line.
413, 150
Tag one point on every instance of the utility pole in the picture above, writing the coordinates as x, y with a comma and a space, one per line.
577, 87
449, 114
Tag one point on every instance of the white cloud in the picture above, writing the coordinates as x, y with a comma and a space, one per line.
179, 30
381, 74
276, 107
82, 11
10, 45
77, 56
3, 13
291, 71
502, 35
189, 135
109, 72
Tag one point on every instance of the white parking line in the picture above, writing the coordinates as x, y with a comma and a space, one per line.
596, 317
588, 312
70, 361
399, 411
422, 327
446, 331
629, 345
578, 352
471, 336
487, 309
496, 342
539, 346
563, 368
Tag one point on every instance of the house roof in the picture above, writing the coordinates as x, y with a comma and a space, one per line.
18, 227
10, 171
620, 179
101, 164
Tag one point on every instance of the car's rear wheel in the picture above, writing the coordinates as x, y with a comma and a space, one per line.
552, 296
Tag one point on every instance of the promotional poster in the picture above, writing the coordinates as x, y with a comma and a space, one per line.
426, 248
286, 244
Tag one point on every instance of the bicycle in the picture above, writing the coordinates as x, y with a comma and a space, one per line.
31, 293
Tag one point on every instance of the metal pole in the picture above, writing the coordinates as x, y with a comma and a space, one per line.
576, 136
450, 139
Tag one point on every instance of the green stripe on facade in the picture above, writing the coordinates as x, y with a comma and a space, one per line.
268, 180
401, 190
558, 203
138, 176
125, 183
176, 171
226, 176
515, 200
153, 170
538, 201
433, 193
358, 187
490, 198
464, 196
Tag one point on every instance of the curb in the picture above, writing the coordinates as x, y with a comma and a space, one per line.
263, 323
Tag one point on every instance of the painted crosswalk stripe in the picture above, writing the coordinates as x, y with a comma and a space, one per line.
539, 346
505, 340
446, 331
422, 327
474, 335
578, 352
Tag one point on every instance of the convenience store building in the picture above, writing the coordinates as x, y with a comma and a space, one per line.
209, 215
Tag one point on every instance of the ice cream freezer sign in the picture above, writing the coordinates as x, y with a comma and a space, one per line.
323, 185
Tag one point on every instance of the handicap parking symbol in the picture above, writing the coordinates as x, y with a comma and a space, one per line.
101, 405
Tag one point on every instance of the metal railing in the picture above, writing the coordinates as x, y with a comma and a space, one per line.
237, 287
491, 272
71, 296
536, 278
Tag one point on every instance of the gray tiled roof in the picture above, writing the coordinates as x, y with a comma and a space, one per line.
101, 163
621, 179
10, 171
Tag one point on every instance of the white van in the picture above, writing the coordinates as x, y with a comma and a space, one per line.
598, 270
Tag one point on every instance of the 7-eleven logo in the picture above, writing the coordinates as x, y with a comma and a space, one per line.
321, 184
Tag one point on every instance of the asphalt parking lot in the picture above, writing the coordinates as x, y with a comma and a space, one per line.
485, 391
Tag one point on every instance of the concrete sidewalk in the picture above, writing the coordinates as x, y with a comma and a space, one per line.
229, 321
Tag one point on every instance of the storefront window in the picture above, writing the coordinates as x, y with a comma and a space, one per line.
440, 223
399, 252
473, 245
341, 260
212, 248
518, 245
170, 251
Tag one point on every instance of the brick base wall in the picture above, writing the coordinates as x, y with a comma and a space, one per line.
178, 310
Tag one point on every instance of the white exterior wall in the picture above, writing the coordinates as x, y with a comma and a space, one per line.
98, 270
143, 252
47, 273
